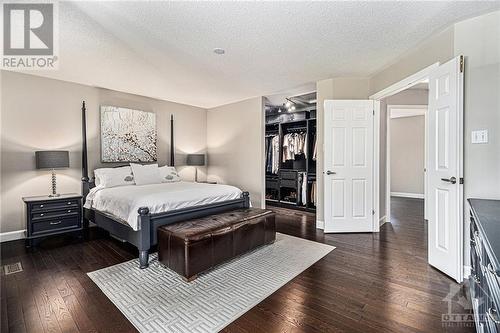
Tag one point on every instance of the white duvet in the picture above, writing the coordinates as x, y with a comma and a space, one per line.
124, 201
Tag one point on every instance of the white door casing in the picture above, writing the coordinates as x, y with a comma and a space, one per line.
349, 166
444, 169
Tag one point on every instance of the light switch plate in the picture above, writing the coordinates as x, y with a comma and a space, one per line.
479, 136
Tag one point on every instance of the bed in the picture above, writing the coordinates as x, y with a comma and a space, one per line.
134, 213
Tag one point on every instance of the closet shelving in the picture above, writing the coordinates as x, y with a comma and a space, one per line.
291, 185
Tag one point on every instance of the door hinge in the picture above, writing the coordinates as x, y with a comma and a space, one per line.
461, 181
373, 112
373, 211
461, 64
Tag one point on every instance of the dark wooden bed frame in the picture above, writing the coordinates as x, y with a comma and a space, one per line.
146, 236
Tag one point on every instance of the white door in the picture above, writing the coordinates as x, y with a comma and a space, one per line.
349, 168
445, 169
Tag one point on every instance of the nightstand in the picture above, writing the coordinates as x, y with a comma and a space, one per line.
47, 216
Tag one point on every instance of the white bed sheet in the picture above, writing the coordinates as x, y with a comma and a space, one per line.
124, 201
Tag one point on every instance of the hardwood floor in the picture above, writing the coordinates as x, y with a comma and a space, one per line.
369, 283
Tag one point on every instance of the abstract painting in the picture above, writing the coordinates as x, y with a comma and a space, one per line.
127, 135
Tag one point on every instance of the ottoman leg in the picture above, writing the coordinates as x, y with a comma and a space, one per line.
143, 259
192, 278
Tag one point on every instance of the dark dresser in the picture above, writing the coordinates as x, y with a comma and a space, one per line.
47, 216
485, 266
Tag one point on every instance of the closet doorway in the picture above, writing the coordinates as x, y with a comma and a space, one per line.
290, 151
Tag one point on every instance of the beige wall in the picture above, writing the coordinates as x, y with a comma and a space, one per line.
40, 113
436, 48
478, 39
407, 154
405, 97
336, 88
235, 141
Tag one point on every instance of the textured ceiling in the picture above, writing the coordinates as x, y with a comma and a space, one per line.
164, 49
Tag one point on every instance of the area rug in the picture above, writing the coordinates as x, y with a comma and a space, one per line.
158, 300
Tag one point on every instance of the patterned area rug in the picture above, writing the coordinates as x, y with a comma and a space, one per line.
158, 300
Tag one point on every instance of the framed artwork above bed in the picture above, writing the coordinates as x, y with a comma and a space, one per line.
127, 135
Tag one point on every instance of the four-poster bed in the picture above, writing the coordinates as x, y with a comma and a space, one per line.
146, 236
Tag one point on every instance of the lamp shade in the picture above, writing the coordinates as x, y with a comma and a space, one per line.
52, 159
195, 159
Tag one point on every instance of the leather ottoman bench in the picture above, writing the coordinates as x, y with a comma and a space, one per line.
195, 246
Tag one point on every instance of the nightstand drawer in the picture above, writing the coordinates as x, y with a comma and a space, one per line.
55, 205
63, 213
54, 225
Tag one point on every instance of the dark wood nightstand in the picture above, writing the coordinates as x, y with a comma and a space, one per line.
47, 216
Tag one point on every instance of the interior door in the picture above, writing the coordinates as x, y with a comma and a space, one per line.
348, 164
444, 169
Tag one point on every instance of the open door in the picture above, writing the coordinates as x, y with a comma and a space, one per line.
349, 166
444, 169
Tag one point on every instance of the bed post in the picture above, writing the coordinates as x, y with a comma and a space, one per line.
85, 172
145, 235
172, 152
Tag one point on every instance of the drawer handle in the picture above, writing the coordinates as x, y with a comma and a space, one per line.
491, 270
69, 211
69, 202
42, 214
55, 223
41, 206
492, 313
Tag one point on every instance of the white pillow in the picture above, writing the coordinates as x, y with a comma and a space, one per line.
112, 177
146, 174
169, 174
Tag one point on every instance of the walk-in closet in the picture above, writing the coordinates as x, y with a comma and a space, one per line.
290, 148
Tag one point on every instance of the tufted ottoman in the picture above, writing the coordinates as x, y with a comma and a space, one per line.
195, 246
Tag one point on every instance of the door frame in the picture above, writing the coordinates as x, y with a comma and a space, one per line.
388, 154
403, 85
393, 89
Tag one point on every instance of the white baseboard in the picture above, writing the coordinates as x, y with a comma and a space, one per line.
407, 195
320, 224
382, 220
12, 235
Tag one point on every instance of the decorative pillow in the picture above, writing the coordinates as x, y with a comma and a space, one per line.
112, 177
146, 174
169, 174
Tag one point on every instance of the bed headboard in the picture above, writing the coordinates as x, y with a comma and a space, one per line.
88, 182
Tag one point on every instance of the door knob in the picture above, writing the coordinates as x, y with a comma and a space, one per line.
330, 173
452, 180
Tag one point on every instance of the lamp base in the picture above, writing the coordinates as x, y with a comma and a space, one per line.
52, 195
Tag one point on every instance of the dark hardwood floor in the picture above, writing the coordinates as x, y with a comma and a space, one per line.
369, 283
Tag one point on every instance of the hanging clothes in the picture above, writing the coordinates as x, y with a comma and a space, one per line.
293, 144
303, 196
275, 156
315, 193
269, 154
315, 150
272, 153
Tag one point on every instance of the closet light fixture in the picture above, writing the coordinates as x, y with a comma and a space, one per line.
219, 51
